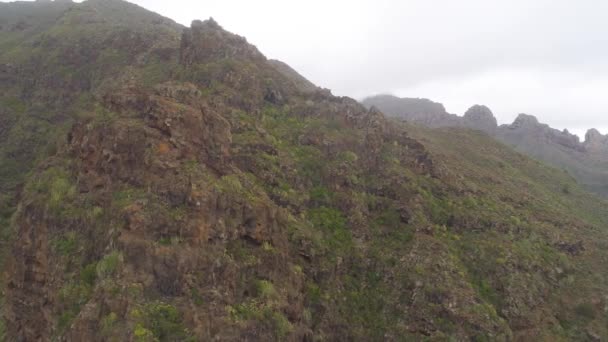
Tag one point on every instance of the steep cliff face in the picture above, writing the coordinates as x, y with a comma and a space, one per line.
201, 193
586, 161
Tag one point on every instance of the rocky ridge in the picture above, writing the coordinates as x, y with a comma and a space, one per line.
584, 160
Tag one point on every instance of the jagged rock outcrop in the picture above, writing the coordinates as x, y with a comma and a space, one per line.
595, 141
527, 126
206, 40
525, 121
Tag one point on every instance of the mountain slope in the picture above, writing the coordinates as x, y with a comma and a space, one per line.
586, 161
201, 193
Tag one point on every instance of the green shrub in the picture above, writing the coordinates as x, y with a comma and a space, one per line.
585, 311
142, 334
348, 157
314, 293
159, 321
333, 224
243, 311
108, 322
320, 195
65, 319
127, 196
231, 185
389, 218
55, 184
262, 314
439, 210
196, 297
13, 104
165, 322
97, 212
72, 297
89, 274
279, 323
265, 289
60, 189
487, 292
67, 244
108, 265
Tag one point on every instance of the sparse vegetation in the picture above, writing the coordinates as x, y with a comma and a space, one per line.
160, 321
265, 289
333, 225
108, 322
67, 244
108, 265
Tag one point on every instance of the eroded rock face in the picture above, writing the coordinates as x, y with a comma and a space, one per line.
161, 141
206, 40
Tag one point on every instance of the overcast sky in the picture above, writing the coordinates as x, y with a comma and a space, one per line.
548, 58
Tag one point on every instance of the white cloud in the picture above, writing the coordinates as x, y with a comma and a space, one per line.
563, 99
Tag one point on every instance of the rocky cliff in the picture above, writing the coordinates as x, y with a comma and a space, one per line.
586, 161
193, 190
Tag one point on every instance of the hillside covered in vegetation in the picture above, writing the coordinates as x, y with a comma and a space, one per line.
163, 183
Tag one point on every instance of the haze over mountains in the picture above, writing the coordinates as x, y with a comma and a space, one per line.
168, 183
586, 160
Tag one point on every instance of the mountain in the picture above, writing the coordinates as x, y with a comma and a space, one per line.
423, 111
587, 161
169, 183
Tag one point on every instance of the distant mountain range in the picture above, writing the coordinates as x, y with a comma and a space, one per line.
587, 161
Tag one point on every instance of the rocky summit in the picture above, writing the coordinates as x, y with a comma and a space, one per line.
169, 183
585, 161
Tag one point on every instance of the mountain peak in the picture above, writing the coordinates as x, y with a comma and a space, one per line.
209, 23
417, 110
592, 134
594, 138
525, 120
480, 117
479, 110
207, 40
